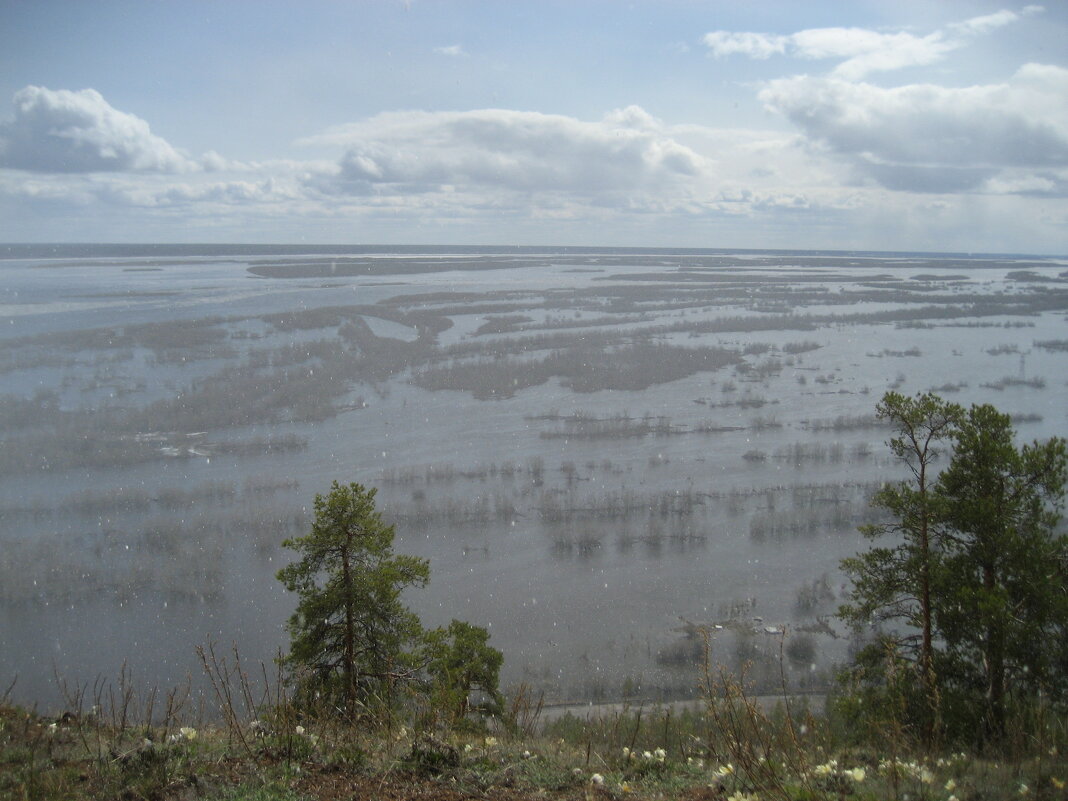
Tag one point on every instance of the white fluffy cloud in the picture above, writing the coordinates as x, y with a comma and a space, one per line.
78, 132
930, 138
991, 22
418, 151
863, 51
860, 51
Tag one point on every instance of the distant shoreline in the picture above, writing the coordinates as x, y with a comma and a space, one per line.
45, 250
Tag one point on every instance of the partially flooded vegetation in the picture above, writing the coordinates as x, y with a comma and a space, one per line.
587, 446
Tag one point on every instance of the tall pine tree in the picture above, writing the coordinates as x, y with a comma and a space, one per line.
351, 633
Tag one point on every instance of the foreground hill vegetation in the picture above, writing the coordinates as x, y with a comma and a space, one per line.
728, 746
958, 693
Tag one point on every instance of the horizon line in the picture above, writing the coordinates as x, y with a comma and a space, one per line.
431, 247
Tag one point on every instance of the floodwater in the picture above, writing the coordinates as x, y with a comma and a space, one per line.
598, 451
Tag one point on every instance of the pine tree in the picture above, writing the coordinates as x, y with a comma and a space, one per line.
894, 584
462, 662
1001, 606
973, 594
351, 633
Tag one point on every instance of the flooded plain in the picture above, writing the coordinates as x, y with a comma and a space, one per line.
598, 451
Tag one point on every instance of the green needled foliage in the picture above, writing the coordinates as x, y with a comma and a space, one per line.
894, 584
1002, 609
462, 662
973, 593
351, 635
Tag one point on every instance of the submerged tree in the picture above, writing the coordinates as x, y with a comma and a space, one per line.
894, 584
351, 631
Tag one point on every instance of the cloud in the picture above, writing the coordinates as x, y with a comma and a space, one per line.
868, 51
984, 24
451, 50
991, 22
79, 132
754, 45
861, 51
418, 151
929, 138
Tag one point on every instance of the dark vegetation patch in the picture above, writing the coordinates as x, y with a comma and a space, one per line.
1013, 381
351, 267
583, 369
584, 426
1032, 277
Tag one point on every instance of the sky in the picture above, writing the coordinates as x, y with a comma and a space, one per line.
905, 125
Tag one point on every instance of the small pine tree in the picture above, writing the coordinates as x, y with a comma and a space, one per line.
461, 662
351, 634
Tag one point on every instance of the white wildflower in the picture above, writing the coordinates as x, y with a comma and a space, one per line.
597, 779
299, 730
188, 732
660, 754
951, 785
491, 742
856, 774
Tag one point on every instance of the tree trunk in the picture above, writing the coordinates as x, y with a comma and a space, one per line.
927, 674
995, 666
349, 657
